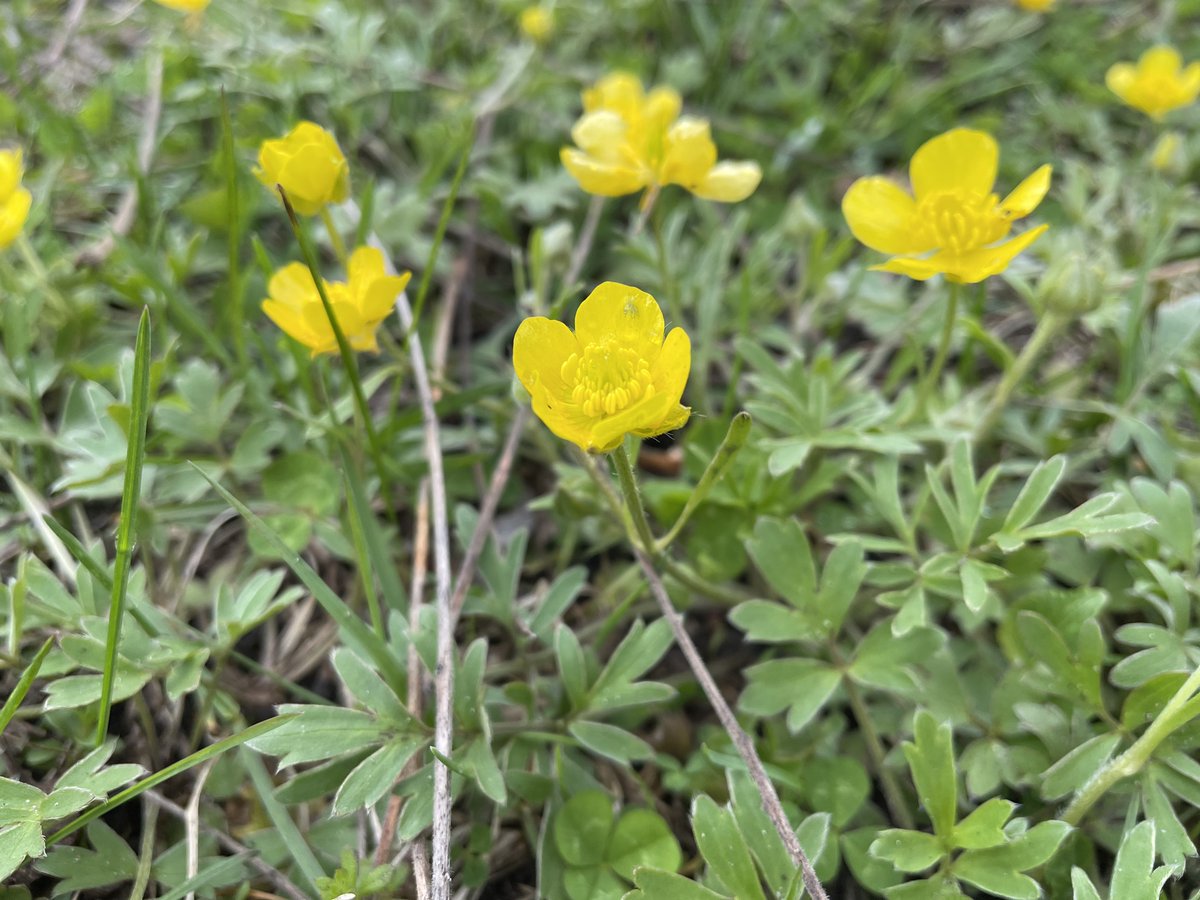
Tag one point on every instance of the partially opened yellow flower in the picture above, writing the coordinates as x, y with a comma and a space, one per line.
360, 305
309, 164
628, 140
14, 199
1035, 5
952, 224
192, 6
1158, 83
615, 375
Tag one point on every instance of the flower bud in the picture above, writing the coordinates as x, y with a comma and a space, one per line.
1073, 285
537, 23
1170, 154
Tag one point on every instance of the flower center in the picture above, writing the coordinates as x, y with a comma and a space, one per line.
958, 221
607, 378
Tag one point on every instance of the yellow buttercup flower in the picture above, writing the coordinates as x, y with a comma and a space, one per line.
952, 224
537, 23
14, 199
628, 140
309, 164
615, 375
360, 305
1035, 5
1169, 155
1158, 83
192, 6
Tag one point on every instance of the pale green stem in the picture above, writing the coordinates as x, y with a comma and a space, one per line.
1047, 327
929, 382
30, 255
335, 238
1131, 761
633, 499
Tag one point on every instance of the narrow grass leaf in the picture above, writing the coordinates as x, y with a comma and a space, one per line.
26, 681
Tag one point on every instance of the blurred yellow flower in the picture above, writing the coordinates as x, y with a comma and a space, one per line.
628, 140
1035, 5
192, 6
1169, 155
14, 199
1158, 83
952, 223
615, 375
309, 164
537, 23
360, 305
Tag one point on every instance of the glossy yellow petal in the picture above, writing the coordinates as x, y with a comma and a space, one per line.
541, 347
537, 23
184, 5
1160, 62
1189, 84
377, 296
976, 265
365, 264
10, 172
619, 92
729, 182
688, 153
292, 286
913, 267
564, 419
880, 214
13, 213
962, 159
605, 179
661, 108
1120, 78
291, 322
645, 418
673, 365
1026, 196
309, 165
622, 314
673, 421
601, 135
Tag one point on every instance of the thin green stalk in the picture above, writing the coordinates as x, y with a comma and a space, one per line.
633, 498
235, 313
176, 768
335, 237
130, 497
929, 382
347, 354
440, 234
1047, 327
735, 439
292, 839
141, 879
664, 272
13, 703
1131, 761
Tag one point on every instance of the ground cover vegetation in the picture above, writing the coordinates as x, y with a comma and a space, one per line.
646, 450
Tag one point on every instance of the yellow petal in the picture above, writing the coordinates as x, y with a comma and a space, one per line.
619, 92
661, 108
563, 418
309, 181
880, 214
290, 322
292, 286
1027, 195
603, 178
1160, 62
729, 182
688, 153
13, 213
1189, 84
601, 134
645, 418
366, 264
377, 296
976, 265
674, 420
673, 365
959, 160
622, 313
540, 347
919, 269
10, 172
1120, 78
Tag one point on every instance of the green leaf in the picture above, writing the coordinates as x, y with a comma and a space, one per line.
998, 869
642, 838
365, 685
372, 778
931, 758
769, 622
1038, 487
1082, 887
639, 652
611, 741
581, 828
724, 849
873, 874
109, 862
802, 686
908, 851
840, 580
1072, 771
984, 827
886, 660
24, 683
655, 885
781, 552
319, 732
768, 850
571, 665
480, 761
838, 785
1134, 876
557, 599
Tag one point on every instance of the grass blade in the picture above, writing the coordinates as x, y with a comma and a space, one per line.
130, 496
176, 768
288, 832
13, 703
353, 627
235, 314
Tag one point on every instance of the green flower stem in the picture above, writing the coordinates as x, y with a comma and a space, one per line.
735, 440
335, 238
347, 354
633, 499
1047, 327
1132, 760
929, 382
30, 255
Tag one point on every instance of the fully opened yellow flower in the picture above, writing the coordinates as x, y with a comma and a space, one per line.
615, 375
14, 199
360, 305
1035, 5
192, 6
309, 164
1158, 83
628, 140
952, 224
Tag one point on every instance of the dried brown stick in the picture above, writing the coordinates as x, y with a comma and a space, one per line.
741, 740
